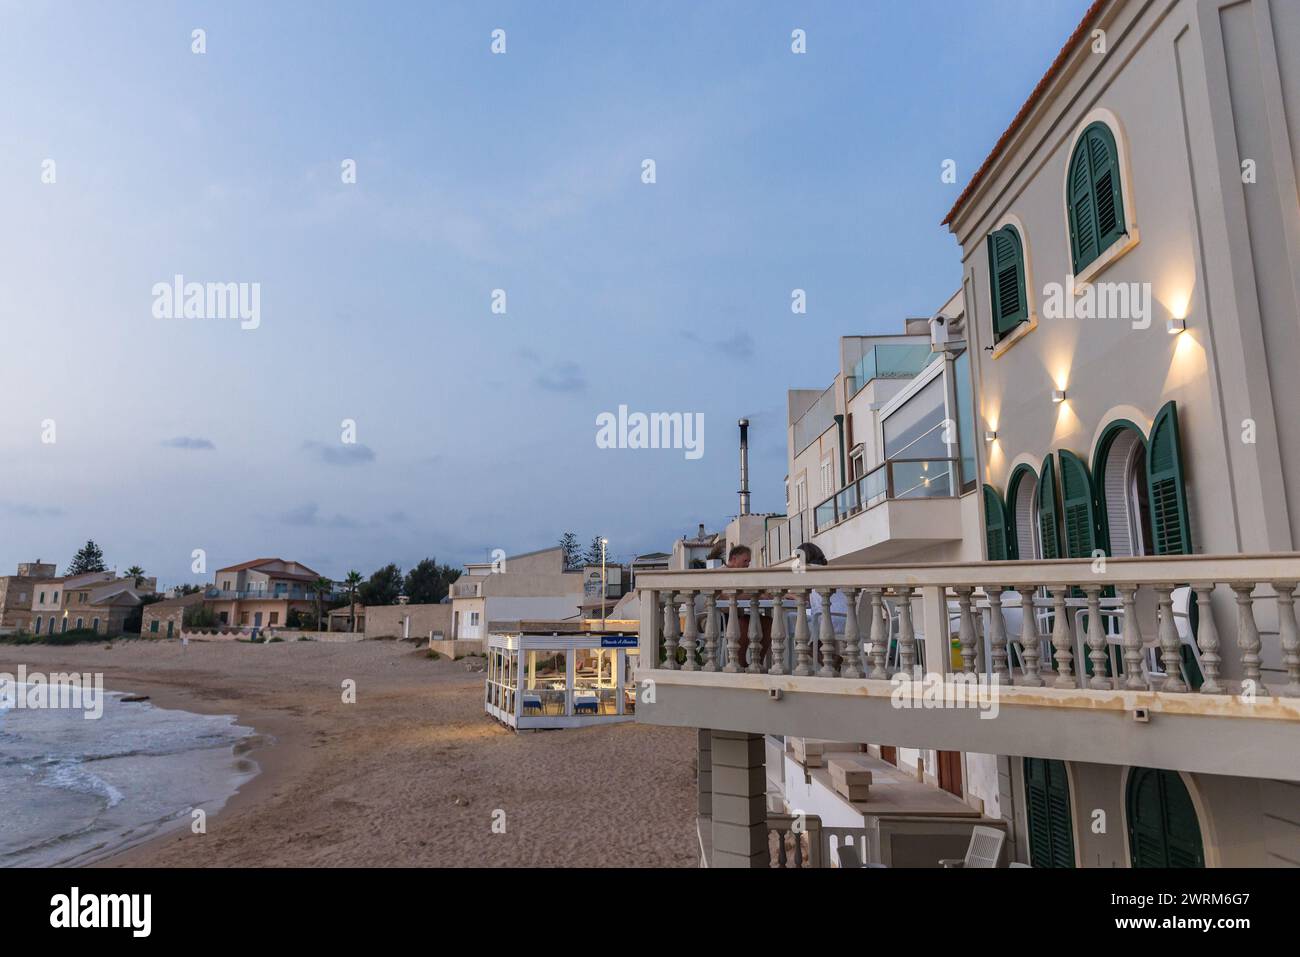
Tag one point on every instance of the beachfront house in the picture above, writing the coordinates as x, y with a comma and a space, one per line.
98, 601
17, 593
261, 593
1125, 688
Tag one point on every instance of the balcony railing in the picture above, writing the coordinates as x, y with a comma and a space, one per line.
248, 594
894, 479
1103, 644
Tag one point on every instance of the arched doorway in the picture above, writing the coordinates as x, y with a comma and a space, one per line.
1120, 468
1163, 830
1050, 824
1022, 504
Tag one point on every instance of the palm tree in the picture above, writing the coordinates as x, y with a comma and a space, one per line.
136, 572
319, 588
353, 582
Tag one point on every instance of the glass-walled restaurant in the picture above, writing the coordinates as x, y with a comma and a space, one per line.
562, 679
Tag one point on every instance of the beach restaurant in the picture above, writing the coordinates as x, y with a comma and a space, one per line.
561, 674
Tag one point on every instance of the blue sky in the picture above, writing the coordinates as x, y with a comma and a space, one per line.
475, 172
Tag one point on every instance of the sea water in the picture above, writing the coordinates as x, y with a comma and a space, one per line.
73, 790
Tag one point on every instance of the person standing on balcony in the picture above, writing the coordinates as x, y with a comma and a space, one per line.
814, 556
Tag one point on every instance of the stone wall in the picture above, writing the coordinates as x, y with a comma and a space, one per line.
389, 621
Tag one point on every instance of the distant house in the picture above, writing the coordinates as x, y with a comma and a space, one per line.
534, 585
17, 593
99, 601
164, 619
261, 593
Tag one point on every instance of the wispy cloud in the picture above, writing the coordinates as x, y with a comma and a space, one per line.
188, 442
738, 345
339, 454
309, 516
562, 377
27, 510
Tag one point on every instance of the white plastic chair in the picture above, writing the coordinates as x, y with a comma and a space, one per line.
984, 850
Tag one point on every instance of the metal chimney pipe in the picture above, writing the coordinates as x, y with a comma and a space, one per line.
744, 466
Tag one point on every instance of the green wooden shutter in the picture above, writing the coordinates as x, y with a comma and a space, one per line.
1162, 825
1007, 280
1078, 507
1167, 495
1047, 510
1103, 157
995, 526
1051, 831
1094, 195
1083, 222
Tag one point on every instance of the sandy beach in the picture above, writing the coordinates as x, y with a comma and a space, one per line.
409, 775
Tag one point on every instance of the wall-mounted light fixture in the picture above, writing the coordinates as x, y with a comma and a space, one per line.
990, 435
1175, 326
1058, 395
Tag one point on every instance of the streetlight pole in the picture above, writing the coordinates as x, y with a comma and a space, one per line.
603, 589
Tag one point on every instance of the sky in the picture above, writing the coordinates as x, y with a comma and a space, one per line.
127, 159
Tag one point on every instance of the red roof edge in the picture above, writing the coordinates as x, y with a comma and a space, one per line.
1053, 71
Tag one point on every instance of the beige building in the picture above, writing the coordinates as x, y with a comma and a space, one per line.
166, 618
1129, 301
261, 593
17, 592
534, 585
430, 621
99, 601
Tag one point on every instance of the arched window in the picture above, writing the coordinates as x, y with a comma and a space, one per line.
1163, 830
1007, 281
1093, 195
995, 526
1047, 798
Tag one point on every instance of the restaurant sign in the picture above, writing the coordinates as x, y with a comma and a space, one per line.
619, 641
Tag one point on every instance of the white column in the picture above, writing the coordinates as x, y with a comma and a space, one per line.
568, 681
620, 664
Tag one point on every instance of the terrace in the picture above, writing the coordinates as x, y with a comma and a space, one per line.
1116, 664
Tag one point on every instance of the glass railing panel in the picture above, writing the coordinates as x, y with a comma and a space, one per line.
825, 514
923, 478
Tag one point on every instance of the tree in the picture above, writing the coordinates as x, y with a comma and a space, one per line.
188, 589
383, 588
137, 573
320, 588
89, 558
352, 583
428, 582
572, 552
592, 555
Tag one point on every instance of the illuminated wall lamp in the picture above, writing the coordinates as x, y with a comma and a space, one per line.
991, 435
1058, 395
1175, 326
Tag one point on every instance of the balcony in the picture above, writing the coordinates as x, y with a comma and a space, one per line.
889, 361
1112, 663
897, 507
256, 594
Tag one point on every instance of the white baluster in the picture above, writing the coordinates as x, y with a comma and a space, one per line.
755, 649
997, 636
879, 636
1170, 647
733, 635
670, 630
1248, 641
1207, 638
1133, 640
852, 666
1096, 640
691, 632
1062, 638
906, 632
826, 636
965, 629
1030, 640
777, 667
711, 631
802, 650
